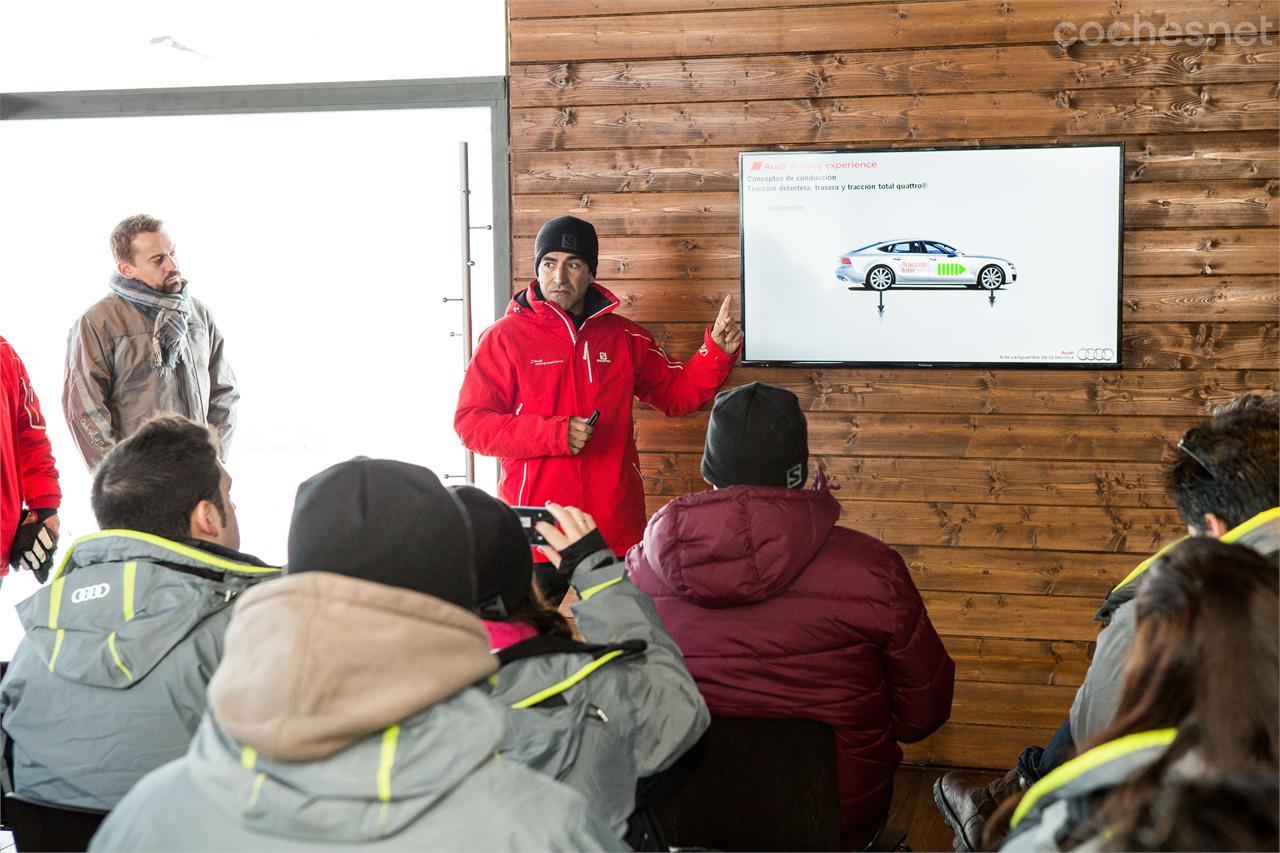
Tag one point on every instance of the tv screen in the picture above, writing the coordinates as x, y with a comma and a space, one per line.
991, 257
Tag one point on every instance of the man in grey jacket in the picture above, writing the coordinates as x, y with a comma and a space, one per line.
347, 712
1226, 485
109, 682
147, 347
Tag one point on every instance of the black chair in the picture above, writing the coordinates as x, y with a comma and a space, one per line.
41, 827
752, 785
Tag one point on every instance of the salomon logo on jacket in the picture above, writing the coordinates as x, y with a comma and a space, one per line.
89, 593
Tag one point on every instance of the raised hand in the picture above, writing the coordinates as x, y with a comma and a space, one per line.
726, 331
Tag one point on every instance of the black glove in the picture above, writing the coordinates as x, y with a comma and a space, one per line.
574, 554
34, 544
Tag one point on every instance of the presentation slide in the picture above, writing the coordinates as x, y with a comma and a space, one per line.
982, 257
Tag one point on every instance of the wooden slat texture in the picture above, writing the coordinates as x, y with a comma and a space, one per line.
1097, 437
1017, 572
893, 435
1120, 529
1019, 661
1087, 112
1146, 298
1147, 252
1173, 157
1017, 498
989, 746
1144, 346
1019, 705
1042, 67
968, 480
522, 9
1153, 205
861, 26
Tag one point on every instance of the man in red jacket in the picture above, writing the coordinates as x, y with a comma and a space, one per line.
29, 492
780, 613
560, 355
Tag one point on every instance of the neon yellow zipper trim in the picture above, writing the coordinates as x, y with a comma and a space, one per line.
169, 545
585, 594
130, 580
1252, 524
1230, 536
387, 761
55, 606
115, 655
1096, 757
568, 682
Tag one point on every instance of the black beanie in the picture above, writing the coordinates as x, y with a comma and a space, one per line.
567, 234
757, 437
384, 521
503, 562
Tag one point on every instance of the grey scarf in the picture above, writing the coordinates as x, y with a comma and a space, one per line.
168, 310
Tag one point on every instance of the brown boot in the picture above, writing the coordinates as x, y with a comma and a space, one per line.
967, 800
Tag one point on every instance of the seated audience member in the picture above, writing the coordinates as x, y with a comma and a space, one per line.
1225, 485
1200, 703
781, 613
109, 681
345, 713
600, 715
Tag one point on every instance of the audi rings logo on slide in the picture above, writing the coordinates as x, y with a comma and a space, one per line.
1096, 354
89, 593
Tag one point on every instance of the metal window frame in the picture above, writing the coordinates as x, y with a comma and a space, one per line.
441, 93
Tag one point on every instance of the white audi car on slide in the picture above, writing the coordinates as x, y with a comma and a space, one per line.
883, 264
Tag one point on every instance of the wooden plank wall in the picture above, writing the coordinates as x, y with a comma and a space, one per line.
1017, 498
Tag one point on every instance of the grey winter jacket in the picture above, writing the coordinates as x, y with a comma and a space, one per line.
110, 387
318, 672
1057, 806
1095, 703
602, 721
446, 787
109, 682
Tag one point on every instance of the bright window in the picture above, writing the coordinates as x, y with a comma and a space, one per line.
323, 244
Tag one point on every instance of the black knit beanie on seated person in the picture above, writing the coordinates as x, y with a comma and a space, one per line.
567, 234
757, 436
503, 562
388, 522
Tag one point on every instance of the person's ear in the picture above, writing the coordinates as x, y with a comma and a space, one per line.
125, 268
1214, 526
206, 521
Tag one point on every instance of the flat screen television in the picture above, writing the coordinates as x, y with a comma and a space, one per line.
940, 257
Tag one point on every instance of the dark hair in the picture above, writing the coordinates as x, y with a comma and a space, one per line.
1227, 467
1205, 660
122, 235
153, 479
536, 612
1237, 812
1250, 405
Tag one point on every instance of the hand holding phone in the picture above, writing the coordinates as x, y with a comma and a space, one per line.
529, 517
580, 430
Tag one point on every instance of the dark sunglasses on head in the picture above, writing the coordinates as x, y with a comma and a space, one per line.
1183, 446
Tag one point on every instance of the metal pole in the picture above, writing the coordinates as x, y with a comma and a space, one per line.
467, 264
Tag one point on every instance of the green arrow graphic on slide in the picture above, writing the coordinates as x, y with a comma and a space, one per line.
950, 269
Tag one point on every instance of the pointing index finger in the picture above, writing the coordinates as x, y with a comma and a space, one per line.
723, 316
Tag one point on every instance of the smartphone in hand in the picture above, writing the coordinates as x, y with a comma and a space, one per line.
529, 516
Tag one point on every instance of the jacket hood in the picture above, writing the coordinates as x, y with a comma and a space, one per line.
122, 599
738, 545
599, 302
315, 662
377, 787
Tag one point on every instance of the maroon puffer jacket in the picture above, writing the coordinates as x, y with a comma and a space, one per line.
782, 614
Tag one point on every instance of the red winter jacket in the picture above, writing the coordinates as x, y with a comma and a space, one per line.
28, 477
780, 613
533, 370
